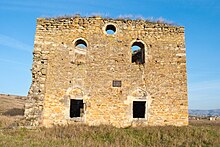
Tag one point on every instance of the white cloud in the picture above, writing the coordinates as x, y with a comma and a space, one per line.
13, 62
14, 43
204, 95
204, 85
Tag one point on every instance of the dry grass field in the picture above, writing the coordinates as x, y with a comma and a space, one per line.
198, 133
11, 109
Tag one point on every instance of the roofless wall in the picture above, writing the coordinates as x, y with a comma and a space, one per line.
105, 71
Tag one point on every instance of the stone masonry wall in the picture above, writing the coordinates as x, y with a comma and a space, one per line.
62, 71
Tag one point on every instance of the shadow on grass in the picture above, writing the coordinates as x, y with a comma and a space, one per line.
14, 112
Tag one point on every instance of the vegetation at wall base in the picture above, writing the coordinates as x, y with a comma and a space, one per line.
195, 134
198, 133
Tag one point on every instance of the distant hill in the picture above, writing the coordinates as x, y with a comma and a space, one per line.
11, 105
214, 112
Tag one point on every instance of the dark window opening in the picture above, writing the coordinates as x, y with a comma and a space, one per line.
110, 29
116, 83
139, 109
138, 55
81, 43
76, 108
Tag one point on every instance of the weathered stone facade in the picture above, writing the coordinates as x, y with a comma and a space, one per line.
100, 78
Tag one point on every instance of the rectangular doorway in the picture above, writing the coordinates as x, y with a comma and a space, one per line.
139, 109
76, 108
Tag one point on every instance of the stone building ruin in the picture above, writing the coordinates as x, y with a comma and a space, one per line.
93, 70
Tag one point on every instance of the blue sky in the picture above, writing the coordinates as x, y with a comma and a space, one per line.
201, 19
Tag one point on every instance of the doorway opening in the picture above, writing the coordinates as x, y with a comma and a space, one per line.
76, 108
139, 109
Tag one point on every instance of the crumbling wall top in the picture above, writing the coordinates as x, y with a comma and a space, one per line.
68, 20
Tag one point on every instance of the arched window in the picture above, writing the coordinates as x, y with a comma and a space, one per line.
138, 51
80, 49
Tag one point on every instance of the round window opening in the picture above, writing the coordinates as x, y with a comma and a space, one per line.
81, 43
110, 29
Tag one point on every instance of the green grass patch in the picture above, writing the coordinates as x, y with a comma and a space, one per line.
207, 135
